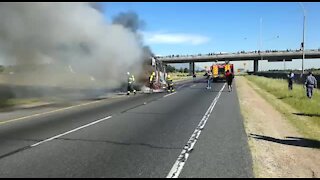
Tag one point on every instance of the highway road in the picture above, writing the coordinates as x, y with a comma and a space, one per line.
193, 132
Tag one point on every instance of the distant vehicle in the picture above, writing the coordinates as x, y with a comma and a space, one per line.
219, 71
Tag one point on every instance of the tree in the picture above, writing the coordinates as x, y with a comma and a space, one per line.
186, 70
170, 69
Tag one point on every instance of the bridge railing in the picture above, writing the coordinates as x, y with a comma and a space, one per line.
239, 52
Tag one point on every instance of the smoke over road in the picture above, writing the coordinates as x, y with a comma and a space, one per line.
66, 44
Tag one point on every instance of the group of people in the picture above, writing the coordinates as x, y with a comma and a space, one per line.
309, 85
170, 85
152, 80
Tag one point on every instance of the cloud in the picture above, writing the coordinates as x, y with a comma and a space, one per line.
178, 38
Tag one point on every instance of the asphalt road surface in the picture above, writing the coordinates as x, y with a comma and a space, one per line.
193, 132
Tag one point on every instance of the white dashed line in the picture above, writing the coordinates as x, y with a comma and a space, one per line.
181, 86
183, 157
57, 136
170, 94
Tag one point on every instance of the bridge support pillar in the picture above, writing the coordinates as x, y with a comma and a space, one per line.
255, 65
191, 68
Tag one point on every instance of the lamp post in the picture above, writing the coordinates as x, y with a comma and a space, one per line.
302, 44
261, 38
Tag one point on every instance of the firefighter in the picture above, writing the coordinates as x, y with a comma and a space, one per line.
152, 80
170, 84
130, 83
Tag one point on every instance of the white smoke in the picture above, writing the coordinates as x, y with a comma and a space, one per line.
53, 37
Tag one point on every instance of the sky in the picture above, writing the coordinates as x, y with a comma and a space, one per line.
205, 27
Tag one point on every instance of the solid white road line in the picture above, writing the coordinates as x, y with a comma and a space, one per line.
54, 111
183, 157
57, 136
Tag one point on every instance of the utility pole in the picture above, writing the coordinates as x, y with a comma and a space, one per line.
261, 38
303, 35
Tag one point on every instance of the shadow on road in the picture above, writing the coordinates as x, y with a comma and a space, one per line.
305, 114
293, 141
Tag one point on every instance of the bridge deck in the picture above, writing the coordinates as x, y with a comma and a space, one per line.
280, 55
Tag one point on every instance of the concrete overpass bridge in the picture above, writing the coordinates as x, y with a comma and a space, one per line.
255, 56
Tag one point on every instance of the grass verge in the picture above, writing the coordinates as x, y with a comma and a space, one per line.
183, 76
302, 113
7, 103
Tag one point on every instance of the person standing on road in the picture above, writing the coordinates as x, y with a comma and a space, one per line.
311, 82
229, 78
194, 77
130, 83
152, 80
170, 84
290, 80
209, 77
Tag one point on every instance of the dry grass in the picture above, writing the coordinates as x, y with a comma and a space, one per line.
297, 99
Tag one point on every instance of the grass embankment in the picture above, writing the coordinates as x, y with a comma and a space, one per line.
306, 115
183, 76
7, 103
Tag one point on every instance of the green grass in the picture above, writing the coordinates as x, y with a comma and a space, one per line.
182, 76
316, 72
179, 76
7, 103
4, 103
297, 99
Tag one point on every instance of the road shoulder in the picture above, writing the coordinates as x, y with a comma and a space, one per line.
278, 149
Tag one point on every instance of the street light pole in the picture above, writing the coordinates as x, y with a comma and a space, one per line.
303, 35
261, 38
